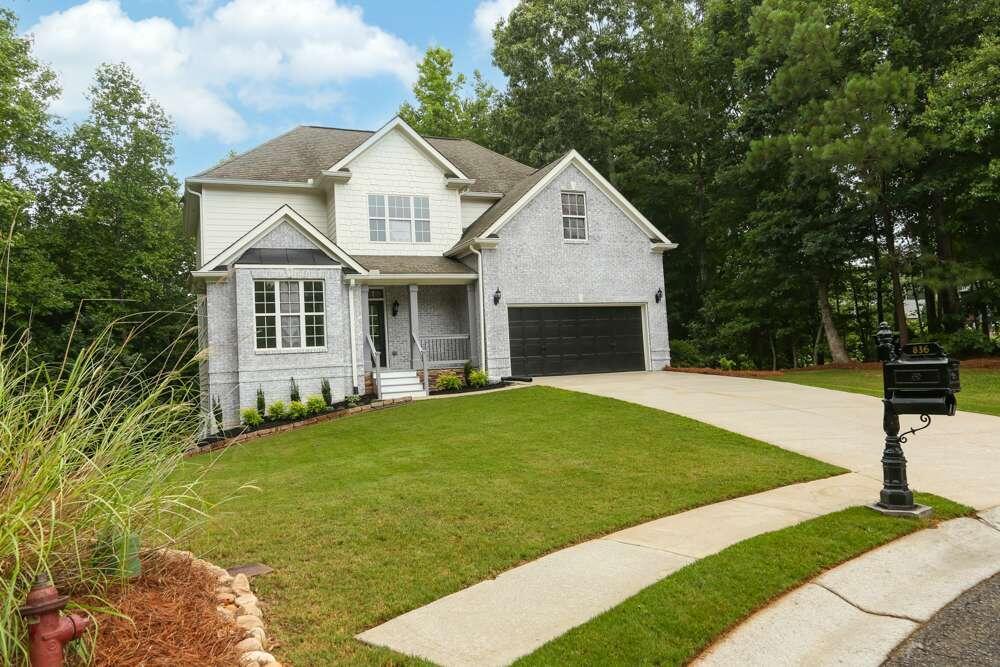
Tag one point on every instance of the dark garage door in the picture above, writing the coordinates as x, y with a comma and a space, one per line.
575, 339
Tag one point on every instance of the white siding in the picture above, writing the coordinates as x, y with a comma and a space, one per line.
395, 166
473, 208
228, 213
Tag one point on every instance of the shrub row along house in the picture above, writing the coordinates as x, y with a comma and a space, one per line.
329, 254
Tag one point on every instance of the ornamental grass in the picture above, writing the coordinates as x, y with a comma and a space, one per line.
87, 449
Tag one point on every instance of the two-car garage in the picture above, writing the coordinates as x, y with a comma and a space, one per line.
561, 340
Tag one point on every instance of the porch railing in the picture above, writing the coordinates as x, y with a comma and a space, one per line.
376, 364
423, 359
450, 349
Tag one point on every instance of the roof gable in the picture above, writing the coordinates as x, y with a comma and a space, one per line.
495, 217
284, 215
399, 125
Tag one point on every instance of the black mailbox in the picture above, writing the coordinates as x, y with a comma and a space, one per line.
922, 380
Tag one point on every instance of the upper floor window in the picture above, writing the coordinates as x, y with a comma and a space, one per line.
574, 216
399, 218
289, 314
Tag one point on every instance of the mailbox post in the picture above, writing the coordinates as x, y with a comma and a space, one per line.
918, 379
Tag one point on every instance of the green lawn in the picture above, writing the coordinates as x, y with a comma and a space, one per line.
980, 386
370, 516
672, 621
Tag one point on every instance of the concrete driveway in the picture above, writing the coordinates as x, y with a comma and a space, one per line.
957, 457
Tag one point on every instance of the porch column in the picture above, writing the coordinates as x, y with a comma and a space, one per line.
414, 328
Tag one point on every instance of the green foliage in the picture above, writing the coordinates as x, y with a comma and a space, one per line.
297, 410
477, 378
261, 404
685, 354
327, 392
252, 417
727, 364
293, 391
352, 400
217, 413
88, 453
467, 370
965, 344
315, 405
448, 381
277, 411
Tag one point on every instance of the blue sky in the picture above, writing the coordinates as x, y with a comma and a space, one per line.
233, 73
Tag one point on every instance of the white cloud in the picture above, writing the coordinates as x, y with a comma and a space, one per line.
243, 52
488, 14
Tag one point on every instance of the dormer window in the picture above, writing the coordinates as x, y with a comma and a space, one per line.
399, 218
574, 216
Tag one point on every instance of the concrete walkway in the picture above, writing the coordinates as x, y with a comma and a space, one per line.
497, 621
858, 612
957, 457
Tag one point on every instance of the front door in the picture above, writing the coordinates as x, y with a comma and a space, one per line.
376, 322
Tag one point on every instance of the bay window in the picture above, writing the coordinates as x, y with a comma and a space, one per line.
289, 314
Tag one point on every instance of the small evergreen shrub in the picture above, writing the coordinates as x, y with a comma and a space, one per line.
477, 378
685, 354
252, 418
277, 410
727, 364
467, 372
448, 382
217, 413
293, 392
352, 401
327, 393
315, 404
297, 410
261, 405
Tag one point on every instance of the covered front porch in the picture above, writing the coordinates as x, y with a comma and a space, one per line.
419, 315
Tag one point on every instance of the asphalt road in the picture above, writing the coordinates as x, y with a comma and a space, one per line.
966, 632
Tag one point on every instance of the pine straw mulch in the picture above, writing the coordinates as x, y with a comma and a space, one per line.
171, 619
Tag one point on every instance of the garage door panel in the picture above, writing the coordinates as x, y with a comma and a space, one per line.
575, 339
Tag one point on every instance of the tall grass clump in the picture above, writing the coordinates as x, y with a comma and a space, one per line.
87, 448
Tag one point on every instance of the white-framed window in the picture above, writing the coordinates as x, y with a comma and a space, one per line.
289, 314
574, 216
399, 218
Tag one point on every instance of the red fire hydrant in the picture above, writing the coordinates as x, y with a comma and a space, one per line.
48, 630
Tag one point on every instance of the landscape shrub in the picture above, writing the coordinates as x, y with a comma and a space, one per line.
477, 378
745, 363
315, 405
685, 354
293, 391
88, 450
727, 364
251, 417
448, 382
277, 410
297, 410
467, 372
327, 393
261, 405
352, 400
964, 343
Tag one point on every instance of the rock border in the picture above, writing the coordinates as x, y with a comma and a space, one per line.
380, 404
237, 603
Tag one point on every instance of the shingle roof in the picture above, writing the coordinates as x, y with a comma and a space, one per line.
297, 256
302, 153
512, 196
408, 264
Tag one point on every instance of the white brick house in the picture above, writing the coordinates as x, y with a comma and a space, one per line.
367, 257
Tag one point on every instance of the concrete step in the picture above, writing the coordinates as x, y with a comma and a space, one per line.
401, 381
400, 393
398, 374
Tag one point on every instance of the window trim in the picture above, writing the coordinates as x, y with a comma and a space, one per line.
584, 217
413, 220
279, 347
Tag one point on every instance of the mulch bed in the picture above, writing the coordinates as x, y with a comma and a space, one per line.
170, 619
469, 390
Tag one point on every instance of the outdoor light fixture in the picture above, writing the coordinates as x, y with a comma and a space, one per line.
659, 295
395, 308
496, 297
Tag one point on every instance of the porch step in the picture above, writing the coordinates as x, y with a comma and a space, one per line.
401, 381
397, 393
397, 384
397, 374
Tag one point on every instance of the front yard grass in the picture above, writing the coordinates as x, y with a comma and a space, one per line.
367, 517
672, 621
980, 386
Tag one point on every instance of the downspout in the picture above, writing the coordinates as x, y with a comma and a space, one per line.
482, 308
350, 314
201, 211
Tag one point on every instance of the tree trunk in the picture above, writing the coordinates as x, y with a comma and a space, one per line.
916, 303
819, 337
930, 307
774, 353
898, 306
837, 349
951, 306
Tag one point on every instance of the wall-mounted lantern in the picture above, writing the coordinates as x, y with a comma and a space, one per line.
659, 295
496, 297
395, 308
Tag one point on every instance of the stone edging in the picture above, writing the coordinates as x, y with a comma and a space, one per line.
291, 426
238, 604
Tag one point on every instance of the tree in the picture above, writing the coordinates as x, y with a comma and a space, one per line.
438, 91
